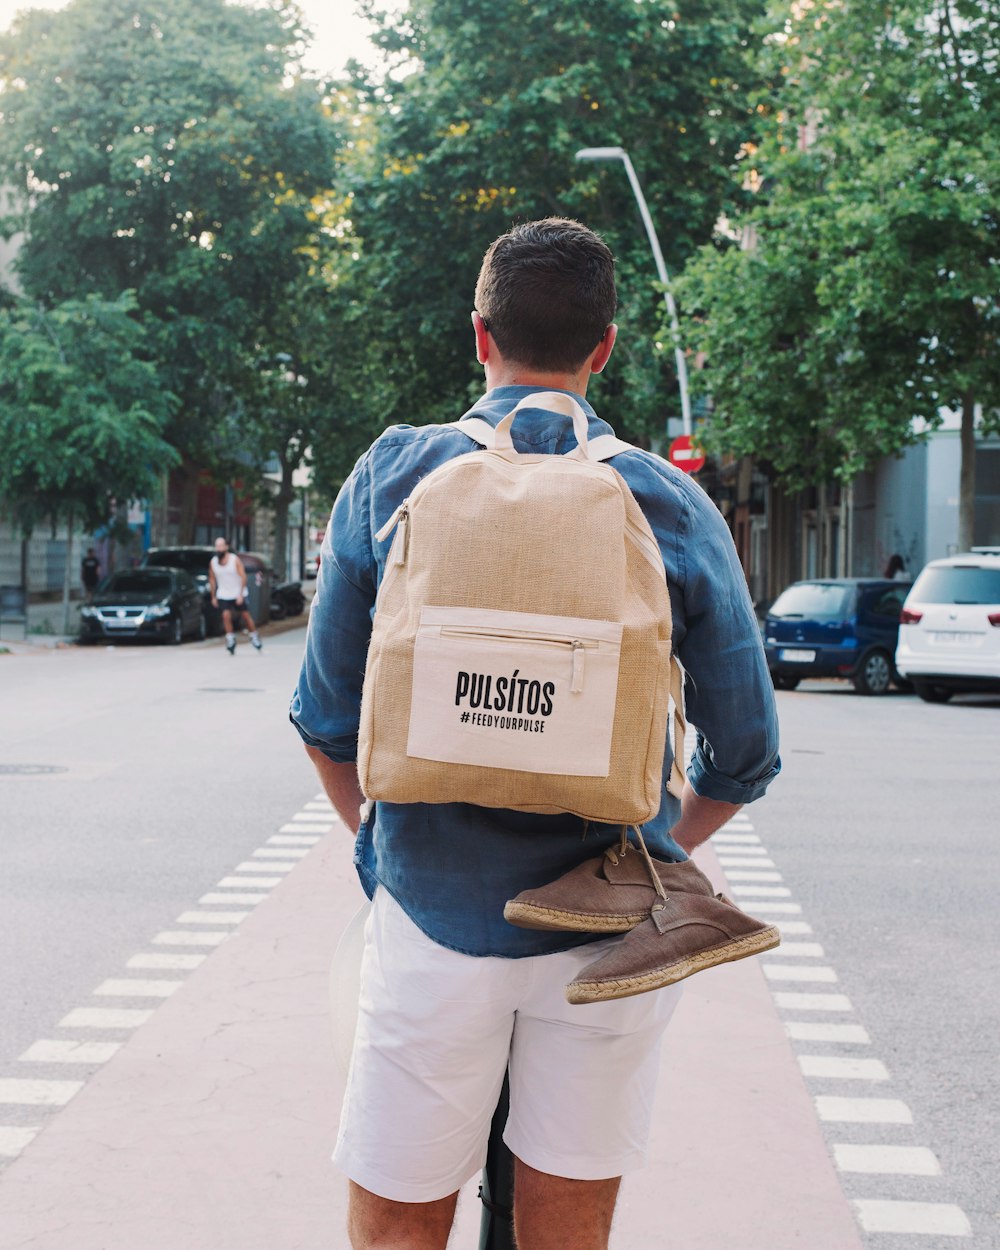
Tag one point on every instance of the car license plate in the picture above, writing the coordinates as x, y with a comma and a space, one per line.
953, 638
797, 657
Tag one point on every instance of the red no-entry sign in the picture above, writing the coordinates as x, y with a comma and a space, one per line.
686, 454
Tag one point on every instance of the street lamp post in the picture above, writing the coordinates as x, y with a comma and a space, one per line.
619, 154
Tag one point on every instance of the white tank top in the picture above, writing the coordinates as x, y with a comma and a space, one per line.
228, 582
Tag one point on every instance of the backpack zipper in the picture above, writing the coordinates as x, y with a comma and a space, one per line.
578, 646
401, 518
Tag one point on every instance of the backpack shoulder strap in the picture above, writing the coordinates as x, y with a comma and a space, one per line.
478, 430
601, 448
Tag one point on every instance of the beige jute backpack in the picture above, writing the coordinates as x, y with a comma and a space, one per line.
520, 653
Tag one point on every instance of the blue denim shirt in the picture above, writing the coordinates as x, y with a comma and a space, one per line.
453, 866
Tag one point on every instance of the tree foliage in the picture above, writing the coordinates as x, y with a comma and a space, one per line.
81, 411
868, 296
474, 125
175, 151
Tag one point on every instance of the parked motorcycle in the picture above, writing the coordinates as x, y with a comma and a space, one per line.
287, 600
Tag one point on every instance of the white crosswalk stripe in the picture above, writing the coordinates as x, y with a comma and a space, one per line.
941, 1219
837, 1067
887, 1160
177, 937
29, 1093
798, 972
863, 1110
56, 1051
104, 1018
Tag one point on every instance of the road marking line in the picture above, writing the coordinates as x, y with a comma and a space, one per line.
765, 905
887, 1160
316, 805
293, 839
843, 1069
729, 861
763, 891
52, 1051
246, 899
172, 937
803, 1031
157, 961
801, 972
248, 883
303, 827
216, 917
813, 1002
282, 852
138, 989
104, 1018
742, 850
797, 950
942, 1219
736, 838
268, 865
793, 927
13, 1140
862, 1110
38, 1093
751, 876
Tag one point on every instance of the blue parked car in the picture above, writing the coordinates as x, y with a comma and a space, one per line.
836, 627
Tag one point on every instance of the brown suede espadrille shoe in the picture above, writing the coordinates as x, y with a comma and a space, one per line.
611, 893
683, 934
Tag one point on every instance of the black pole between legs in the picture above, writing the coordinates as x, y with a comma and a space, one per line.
496, 1231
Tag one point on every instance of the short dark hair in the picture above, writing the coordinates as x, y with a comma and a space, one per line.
546, 291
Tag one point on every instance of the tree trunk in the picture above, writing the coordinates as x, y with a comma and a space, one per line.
282, 502
67, 626
967, 473
187, 479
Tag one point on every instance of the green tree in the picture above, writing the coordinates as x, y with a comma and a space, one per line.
81, 413
868, 297
178, 151
475, 122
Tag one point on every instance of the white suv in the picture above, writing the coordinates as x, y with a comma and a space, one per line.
949, 630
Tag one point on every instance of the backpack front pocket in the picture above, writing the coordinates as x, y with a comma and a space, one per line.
514, 690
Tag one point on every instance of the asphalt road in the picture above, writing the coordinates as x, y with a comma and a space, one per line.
885, 826
169, 765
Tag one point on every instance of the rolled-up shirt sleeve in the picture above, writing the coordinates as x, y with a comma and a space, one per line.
728, 690
326, 705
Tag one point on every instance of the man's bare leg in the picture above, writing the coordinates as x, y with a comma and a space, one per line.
374, 1222
553, 1213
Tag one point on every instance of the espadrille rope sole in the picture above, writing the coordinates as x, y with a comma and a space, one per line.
726, 952
530, 916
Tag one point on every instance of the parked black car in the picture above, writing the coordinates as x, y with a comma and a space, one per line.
195, 560
165, 604
836, 627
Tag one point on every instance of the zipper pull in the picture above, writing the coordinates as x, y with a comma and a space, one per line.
392, 522
576, 683
402, 536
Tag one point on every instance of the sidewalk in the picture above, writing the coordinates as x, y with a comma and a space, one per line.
212, 1128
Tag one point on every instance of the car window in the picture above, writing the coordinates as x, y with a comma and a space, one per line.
184, 580
888, 603
957, 583
144, 581
191, 561
814, 601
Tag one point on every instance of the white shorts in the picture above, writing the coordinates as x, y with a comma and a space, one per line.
436, 1030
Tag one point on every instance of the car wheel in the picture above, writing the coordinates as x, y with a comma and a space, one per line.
201, 633
874, 674
784, 683
932, 694
177, 631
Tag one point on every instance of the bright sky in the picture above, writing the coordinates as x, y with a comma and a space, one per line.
339, 33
